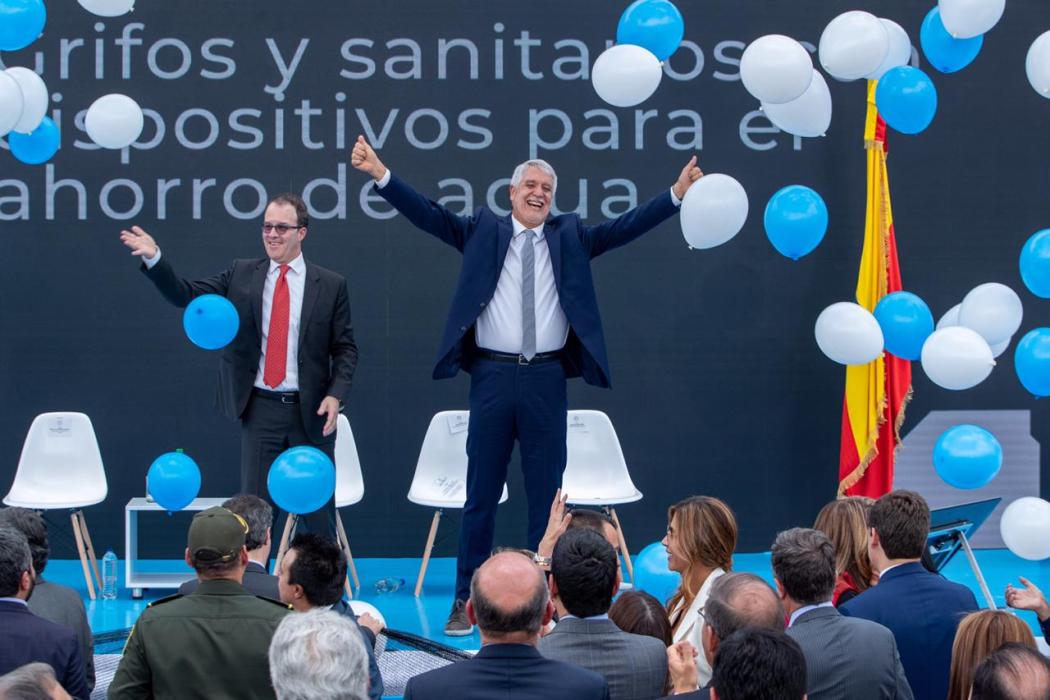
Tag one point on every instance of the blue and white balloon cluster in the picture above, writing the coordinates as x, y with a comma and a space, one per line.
648, 33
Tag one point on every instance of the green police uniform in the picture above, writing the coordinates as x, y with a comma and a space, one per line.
213, 644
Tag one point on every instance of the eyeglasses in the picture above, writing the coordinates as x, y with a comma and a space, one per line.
279, 228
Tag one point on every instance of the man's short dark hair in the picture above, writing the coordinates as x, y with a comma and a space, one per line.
257, 513
319, 567
804, 563
590, 520
584, 567
1014, 671
528, 617
902, 520
740, 599
15, 560
302, 214
31, 524
759, 664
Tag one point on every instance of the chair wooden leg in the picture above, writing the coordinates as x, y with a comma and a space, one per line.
427, 550
286, 536
623, 545
344, 542
83, 554
92, 557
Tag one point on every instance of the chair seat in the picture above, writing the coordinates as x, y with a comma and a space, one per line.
348, 500
436, 501
42, 497
598, 499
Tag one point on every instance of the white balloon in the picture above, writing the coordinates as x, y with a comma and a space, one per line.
625, 75
965, 19
853, 44
776, 69
108, 8
993, 310
1025, 527
1037, 64
809, 115
849, 334
950, 317
900, 49
34, 96
713, 211
999, 348
114, 121
11, 103
957, 358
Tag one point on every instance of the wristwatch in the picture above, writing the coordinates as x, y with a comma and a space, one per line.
541, 560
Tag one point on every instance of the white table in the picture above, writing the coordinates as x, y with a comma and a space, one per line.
137, 580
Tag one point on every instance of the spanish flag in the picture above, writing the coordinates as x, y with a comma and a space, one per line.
876, 393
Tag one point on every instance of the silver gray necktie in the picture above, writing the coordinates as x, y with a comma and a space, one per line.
528, 296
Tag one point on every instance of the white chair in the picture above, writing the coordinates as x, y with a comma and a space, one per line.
440, 480
61, 467
596, 471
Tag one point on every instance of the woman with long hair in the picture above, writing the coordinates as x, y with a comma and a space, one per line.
845, 522
701, 537
979, 634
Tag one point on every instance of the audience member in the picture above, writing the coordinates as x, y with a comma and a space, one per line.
214, 643
318, 655
980, 634
701, 537
638, 612
35, 681
585, 574
845, 522
1012, 672
27, 637
311, 576
562, 519
759, 664
845, 657
53, 601
259, 516
921, 608
509, 603
1030, 598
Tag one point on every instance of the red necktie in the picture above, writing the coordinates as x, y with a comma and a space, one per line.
277, 338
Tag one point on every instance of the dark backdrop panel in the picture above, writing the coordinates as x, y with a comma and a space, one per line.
718, 384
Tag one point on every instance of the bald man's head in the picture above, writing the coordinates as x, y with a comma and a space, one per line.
739, 600
508, 595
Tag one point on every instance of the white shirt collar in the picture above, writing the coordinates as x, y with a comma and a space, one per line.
12, 599
519, 228
805, 609
602, 616
890, 568
297, 266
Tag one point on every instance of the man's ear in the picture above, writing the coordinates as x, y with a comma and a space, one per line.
619, 580
471, 617
780, 588
189, 559
553, 585
548, 614
714, 693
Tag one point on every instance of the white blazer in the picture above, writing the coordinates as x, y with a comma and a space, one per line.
692, 625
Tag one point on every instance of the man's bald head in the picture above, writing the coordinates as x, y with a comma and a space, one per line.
508, 595
740, 600
1012, 672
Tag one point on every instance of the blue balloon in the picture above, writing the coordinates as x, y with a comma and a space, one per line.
37, 146
173, 480
301, 480
906, 323
21, 22
1032, 361
656, 25
1035, 263
906, 99
967, 456
652, 575
944, 52
796, 220
211, 321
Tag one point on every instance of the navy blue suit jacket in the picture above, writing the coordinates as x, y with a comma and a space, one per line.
922, 610
27, 638
483, 240
508, 672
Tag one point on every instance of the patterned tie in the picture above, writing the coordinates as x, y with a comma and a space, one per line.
277, 338
528, 296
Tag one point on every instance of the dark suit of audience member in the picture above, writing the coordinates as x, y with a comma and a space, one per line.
257, 581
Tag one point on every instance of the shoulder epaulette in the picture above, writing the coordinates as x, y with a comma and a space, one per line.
168, 599
275, 602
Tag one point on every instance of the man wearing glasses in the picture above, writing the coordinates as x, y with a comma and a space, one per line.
289, 368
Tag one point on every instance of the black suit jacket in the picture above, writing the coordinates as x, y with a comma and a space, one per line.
26, 638
257, 581
327, 352
509, 672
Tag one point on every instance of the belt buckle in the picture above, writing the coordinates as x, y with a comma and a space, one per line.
524, 361
287, 399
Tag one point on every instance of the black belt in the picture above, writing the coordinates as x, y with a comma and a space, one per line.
290, 397
537, 359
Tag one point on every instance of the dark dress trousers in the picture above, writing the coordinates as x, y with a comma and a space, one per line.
923, 610
509, 401
257, 581
26, 638
507, 672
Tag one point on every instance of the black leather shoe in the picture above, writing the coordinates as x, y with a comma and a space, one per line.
458, 625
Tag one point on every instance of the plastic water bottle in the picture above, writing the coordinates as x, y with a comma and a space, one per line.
389, 584
109, 575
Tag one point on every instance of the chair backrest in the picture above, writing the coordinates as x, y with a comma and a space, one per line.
595, 472
60, 466
441, 471
349, 483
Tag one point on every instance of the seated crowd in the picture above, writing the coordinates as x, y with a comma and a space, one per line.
852, 613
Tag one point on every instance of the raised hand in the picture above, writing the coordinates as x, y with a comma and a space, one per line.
140, 242
364, 158
690, 174
557, 524
1028, 598
681, 667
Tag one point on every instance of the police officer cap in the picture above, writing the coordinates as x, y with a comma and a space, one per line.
216, 534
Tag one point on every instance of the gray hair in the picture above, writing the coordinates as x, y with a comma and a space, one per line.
318, 655
804, 562
29, 682
519, 172
15, 559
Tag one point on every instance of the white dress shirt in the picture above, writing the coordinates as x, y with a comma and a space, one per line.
805, 609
